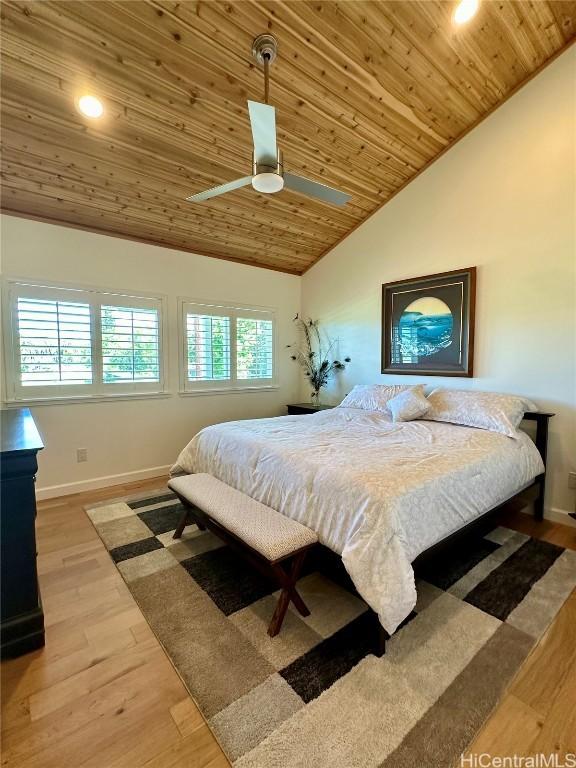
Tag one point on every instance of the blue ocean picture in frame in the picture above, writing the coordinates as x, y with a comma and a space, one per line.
428, 324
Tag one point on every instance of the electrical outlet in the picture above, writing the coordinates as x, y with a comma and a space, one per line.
81, 454
572, 480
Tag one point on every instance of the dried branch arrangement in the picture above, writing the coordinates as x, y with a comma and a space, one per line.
315, 355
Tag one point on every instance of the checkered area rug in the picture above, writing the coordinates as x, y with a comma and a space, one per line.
315, 695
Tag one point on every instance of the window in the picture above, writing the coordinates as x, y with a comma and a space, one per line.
55, 342
208, 347
226, 347
254, 348
69, 342
130, 344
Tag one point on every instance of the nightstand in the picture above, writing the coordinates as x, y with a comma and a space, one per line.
301, 408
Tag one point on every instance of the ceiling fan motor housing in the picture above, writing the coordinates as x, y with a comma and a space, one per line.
268, 177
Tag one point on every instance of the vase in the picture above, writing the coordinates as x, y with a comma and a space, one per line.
315, 398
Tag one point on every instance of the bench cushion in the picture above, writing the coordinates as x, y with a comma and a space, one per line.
270, 533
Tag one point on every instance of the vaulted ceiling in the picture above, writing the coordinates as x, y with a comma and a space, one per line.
367, 94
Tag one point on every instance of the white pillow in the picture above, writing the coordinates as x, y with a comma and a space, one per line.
373, 397
484, 410
409, 405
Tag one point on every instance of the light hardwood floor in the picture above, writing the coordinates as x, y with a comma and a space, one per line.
102, 693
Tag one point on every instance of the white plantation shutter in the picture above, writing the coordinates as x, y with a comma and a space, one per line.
130, 344
70, 343
226, 347
254, 348
55, 342
208, 347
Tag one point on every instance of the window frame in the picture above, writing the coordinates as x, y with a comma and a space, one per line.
233, 310
96, 297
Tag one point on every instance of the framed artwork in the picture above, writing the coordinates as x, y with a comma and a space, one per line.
428, 324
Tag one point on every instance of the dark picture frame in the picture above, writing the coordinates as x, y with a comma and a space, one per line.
428, 324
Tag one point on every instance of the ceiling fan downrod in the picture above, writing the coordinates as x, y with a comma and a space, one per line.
265, 50
266, 77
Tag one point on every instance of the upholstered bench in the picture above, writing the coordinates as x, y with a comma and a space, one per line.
270, 541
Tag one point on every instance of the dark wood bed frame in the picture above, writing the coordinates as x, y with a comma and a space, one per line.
533, 494
321, 558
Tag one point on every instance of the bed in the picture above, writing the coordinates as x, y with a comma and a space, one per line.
379, 494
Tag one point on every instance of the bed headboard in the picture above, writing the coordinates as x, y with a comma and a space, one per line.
541, 418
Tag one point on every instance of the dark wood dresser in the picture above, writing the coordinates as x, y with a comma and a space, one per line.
22, 620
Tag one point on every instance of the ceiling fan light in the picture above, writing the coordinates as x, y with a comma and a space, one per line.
267, 182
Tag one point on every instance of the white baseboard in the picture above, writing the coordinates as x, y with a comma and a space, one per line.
555, 515
67, 489
559, 516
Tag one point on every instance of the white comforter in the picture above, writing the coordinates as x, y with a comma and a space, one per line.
376, 492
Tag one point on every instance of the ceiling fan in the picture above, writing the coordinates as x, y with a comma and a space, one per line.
268, 173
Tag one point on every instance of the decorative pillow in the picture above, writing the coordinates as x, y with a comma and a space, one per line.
484, 410
374, 397
409, 405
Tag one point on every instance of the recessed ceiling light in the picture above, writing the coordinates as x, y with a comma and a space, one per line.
465, 10
90, 106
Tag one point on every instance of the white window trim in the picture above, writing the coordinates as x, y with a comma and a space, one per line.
233, 385
17, 395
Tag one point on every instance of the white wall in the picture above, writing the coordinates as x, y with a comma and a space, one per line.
140, 435
502, 199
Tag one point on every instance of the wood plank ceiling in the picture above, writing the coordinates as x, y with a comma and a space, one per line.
367, 93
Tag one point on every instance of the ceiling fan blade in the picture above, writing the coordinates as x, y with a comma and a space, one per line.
220, 190
263, 123
314, 189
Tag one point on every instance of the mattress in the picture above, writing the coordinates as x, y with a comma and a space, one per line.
376, 492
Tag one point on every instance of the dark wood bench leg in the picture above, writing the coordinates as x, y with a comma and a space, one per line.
301, 606
187, 515
279, 613
288, 583
181, 525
